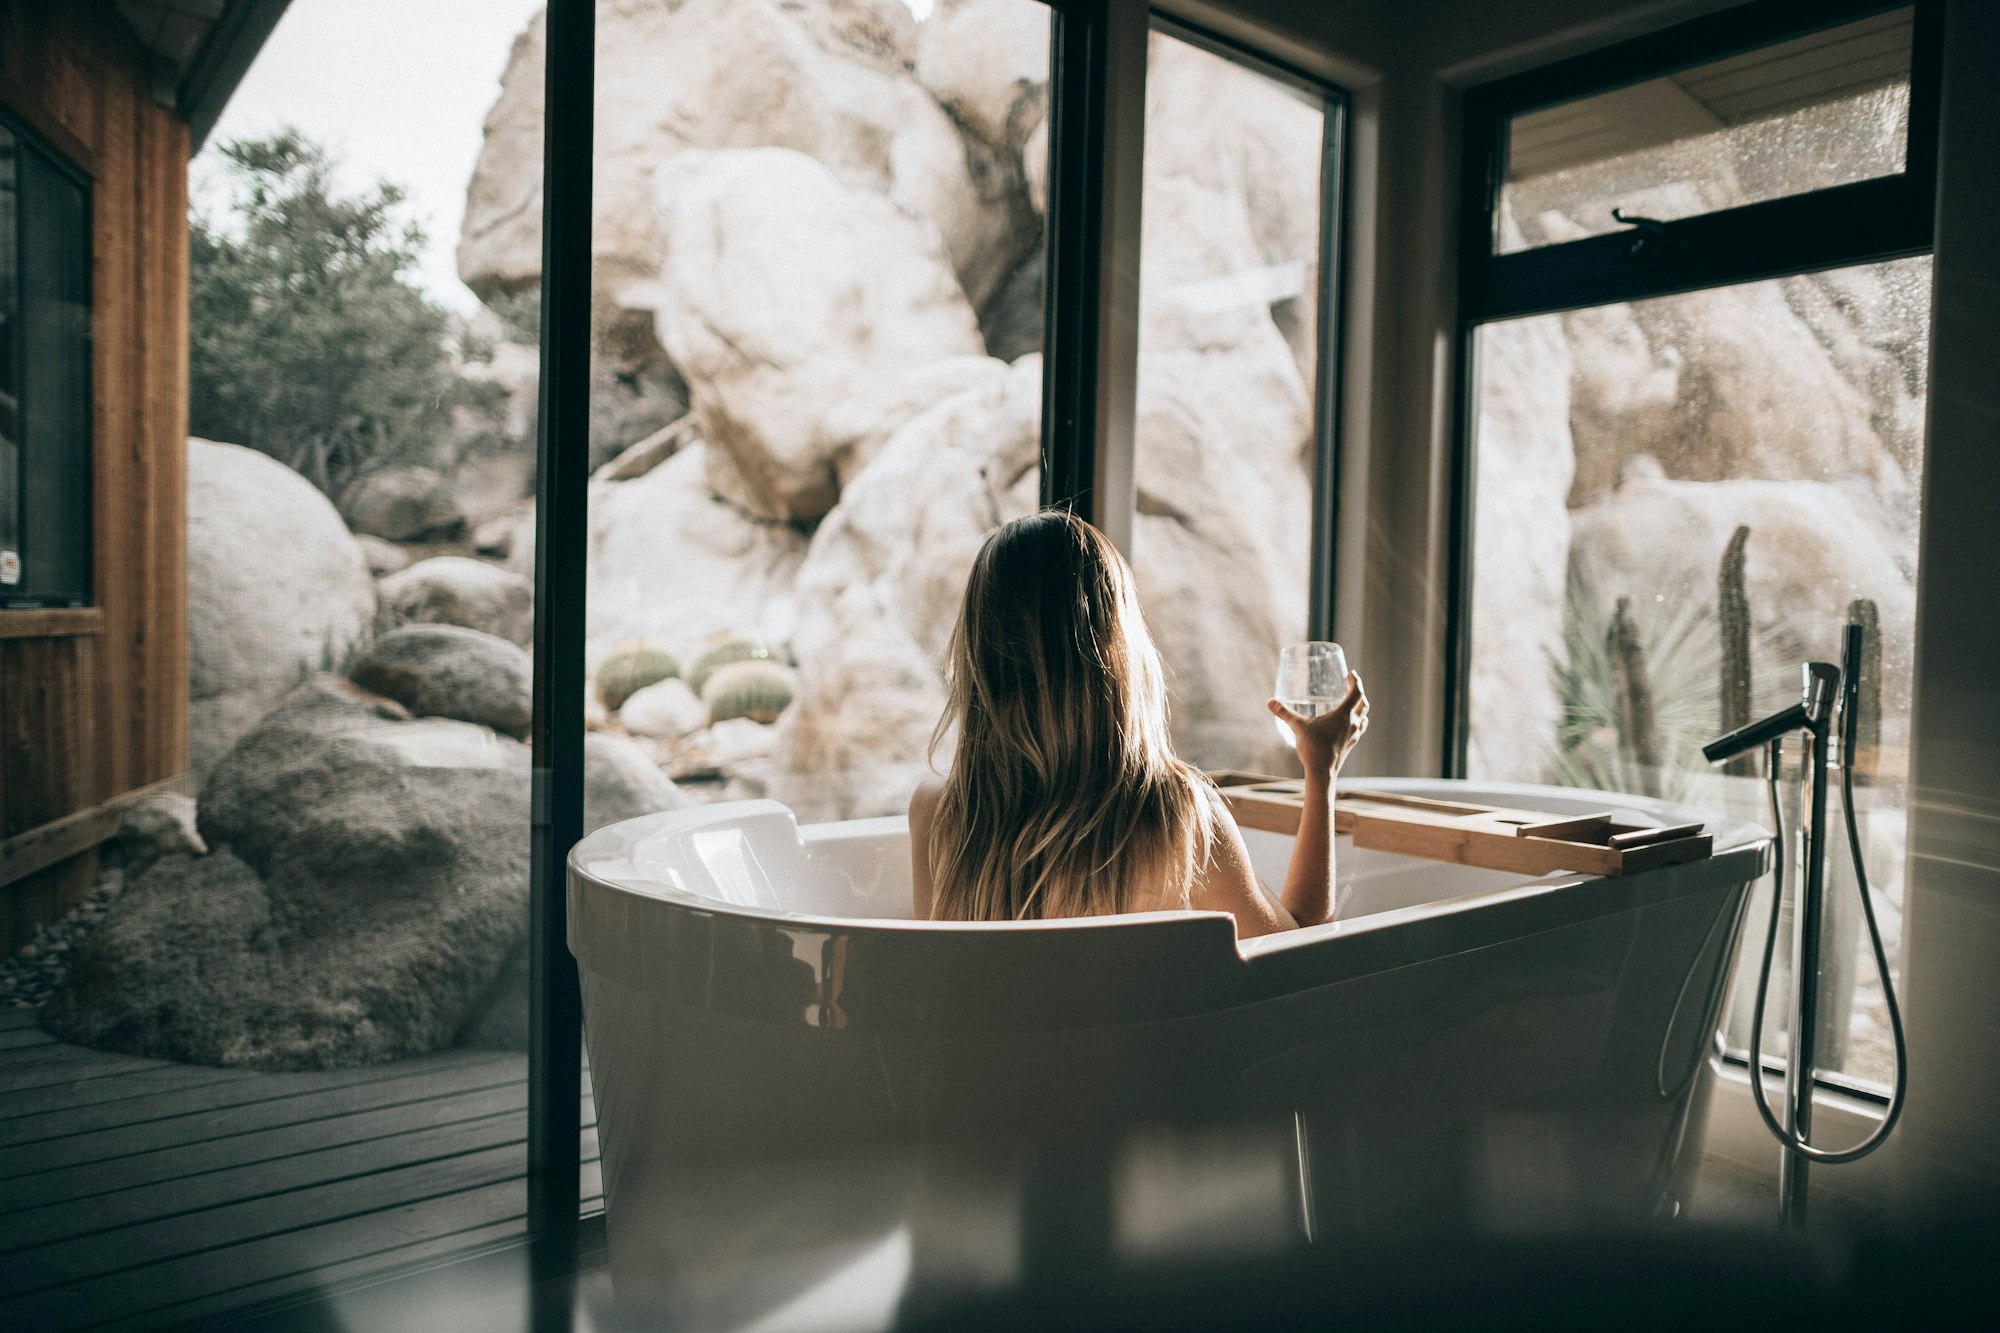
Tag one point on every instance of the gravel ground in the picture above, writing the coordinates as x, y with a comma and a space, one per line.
28, 978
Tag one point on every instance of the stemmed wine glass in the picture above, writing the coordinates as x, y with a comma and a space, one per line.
1312, 678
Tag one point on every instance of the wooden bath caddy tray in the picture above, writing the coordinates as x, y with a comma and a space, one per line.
1491, 837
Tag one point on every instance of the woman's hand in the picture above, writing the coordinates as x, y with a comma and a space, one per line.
1323, 741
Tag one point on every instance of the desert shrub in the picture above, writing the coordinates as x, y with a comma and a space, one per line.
1679, 644
307, 338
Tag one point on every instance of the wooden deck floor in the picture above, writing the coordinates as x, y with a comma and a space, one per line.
138, 1193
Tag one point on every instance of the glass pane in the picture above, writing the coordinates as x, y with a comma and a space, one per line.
55, 383
1229, 351
328, 938
816, 378
1670, 485
1825, 109
10, 389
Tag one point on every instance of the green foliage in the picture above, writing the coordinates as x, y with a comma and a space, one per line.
756, 688
1677, 641
720, 651
630, 668
306, 338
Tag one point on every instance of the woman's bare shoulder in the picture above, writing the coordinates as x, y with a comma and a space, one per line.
925, 798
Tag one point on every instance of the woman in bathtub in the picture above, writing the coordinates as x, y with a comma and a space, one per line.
1064, 797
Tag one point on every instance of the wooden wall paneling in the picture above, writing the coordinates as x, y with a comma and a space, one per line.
93, 709
164, 594
117, 321
48, 776
42, 897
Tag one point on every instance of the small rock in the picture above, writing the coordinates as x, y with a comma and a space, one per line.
451, 671
730, 743
158, 826
454, 590
495, 537
667, 709
401, 504
383, 557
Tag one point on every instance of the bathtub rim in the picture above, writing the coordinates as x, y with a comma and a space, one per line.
1286, 960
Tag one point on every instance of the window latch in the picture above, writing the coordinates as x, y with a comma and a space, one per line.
1647, 239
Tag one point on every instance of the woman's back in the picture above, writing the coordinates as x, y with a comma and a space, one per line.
1064, 796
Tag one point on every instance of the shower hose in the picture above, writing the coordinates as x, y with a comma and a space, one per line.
1796, 1142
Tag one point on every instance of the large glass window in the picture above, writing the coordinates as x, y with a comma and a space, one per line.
1823, 109
1230, 362
45, 436
816, 379
1678, 498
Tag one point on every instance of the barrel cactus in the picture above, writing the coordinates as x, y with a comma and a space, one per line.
756, 688
721, 651
631, 667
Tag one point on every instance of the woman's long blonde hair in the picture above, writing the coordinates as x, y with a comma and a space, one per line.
1064, 796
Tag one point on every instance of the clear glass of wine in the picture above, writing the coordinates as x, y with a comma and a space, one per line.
1312, 678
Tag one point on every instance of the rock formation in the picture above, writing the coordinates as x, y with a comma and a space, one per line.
782, 293
673, 562
830, 79
1526, 463
363, 896
277, 590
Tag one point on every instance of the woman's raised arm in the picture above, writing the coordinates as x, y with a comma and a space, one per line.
1323, 743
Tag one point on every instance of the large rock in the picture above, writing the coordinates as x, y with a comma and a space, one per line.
365, 898
987, 62
369, 875
621, 782
1526, 463
1723, 384
784, 293
672, 562
277, 589
1232, 203
880, 589
1220, 546
1224, 431
455, 590
1813, 548
448, 671
827, 78
401, 504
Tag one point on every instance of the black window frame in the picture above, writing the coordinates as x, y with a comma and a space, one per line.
1080, 100
82, 457
1330, 300
1870, 221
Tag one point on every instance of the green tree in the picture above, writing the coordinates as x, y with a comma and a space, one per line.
306, 338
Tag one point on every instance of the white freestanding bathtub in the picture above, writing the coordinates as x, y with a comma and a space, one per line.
795, 1081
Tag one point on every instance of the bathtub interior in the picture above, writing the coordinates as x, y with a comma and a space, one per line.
759, 859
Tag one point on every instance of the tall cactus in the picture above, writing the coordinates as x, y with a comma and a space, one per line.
1733, 608
1868, 696
1634, 693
